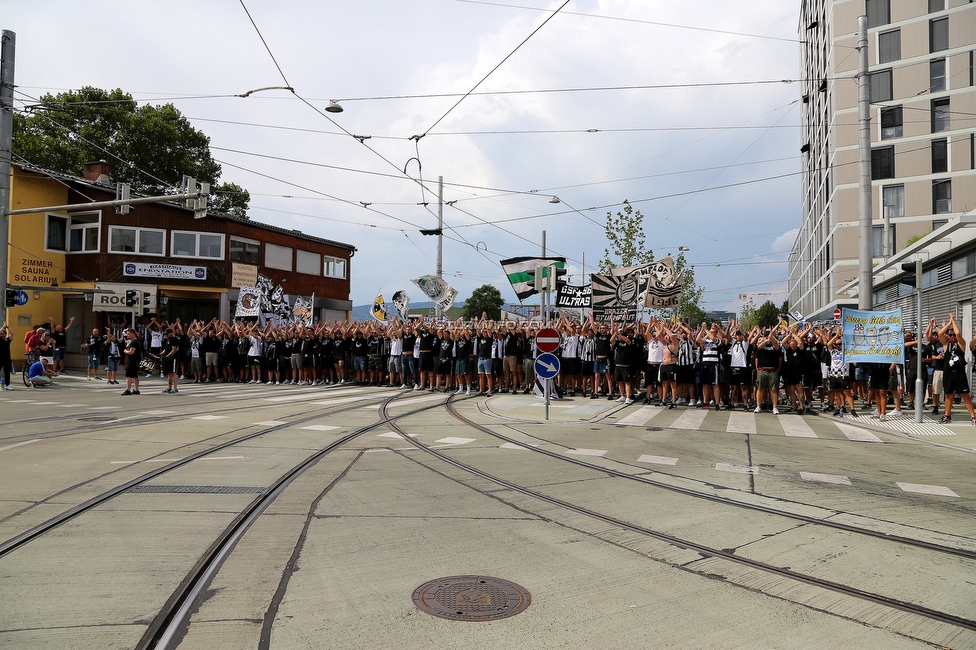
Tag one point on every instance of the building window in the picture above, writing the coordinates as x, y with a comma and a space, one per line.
941, 197
145, 241
962, 267
940, 115
197, 244
244, 250
882, 163
56, 237
939, 34
877, 234
889, 46
334, 267
937, 75
891, 122
75, 234
879, 84
940, 156
277, 257
879, 12
893, 200
936, 5
938, 223
308, 262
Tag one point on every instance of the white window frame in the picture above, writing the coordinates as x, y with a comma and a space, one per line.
96, 226
47, 220
250, 242
335, 262
272, 249
312, 268
138, 240
196, 244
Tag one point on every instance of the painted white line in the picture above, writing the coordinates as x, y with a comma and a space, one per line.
319, 427
741, 422
657, 460
19, 444
221, 458
162, 460
641, 416
512, 445
417, 400
342, 400
587, 452
927, 489
103, 408
857, 434
737, 469
268, 423
795, 426
825, 478
209, 417
124, 462
72, 406
455, 441
373, 451
20, 401
690, 419
45, 403
158, 412
392, 434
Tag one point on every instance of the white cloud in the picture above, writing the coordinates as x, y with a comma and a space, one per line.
784, 242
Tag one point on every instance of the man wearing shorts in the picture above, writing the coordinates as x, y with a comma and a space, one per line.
954, 374
769, 361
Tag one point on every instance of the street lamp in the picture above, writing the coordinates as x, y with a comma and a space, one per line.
333, 107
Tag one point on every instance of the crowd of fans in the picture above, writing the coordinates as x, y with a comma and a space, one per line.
665, 363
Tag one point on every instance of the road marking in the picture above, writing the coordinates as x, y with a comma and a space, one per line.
657, 460
268, 423
45, 403
103, 408
825, 478
20, 401
393, 434
690, 419
319, 427
300, 395
512, 445
587, 452
857, 434
158, 412
19, 444
455, 441
343, 400
741, 422
737, 469
927, 489
72, 406
209, 417
161, 460
794, 426
641, 416
221, 457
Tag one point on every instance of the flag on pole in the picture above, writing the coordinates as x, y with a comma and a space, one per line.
379, 309
437, 290
248, 302
401, 301
521, 271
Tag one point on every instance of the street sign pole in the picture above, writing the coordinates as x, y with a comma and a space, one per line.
546, 367
548, 393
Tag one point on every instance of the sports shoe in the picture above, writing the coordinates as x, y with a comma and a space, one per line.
128, 392
897, 413
973, 420
593, 396
175, 390
628, 401
853, 413
167, 391
468, 392
775, 411
935, 410
621, 398
946, 420
135, 392
839, 413
416, 386
459, 390
8, 387
758, 410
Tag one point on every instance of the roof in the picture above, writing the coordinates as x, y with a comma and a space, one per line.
110, 187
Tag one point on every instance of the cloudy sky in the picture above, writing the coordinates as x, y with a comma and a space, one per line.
679, 107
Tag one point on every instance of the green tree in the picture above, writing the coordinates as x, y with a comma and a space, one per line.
230, 198
785, 307
747, 315
625, 233
487, 299
149, 147
767, 315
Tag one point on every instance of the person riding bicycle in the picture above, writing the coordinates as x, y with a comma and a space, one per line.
41, 373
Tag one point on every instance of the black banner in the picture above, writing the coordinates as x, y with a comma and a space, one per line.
618, 314
569, 297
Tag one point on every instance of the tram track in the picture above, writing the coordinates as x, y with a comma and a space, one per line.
704, 550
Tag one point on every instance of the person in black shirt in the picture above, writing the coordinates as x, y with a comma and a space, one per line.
133, 355
769, 361
462, 349
60, 336
623, 358
444, 348
601, 358
94, 345
486, 339
169, 355
954, 375
6, 362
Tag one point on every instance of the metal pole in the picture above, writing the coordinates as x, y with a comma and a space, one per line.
9, 42
440, 237
543, 294
865, 262
919, 383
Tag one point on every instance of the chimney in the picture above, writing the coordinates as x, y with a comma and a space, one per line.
98, 172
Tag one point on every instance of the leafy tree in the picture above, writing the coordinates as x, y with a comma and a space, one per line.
625, 233
767, 315
230, 198
747, 315
149, 147
487, 299
785, 307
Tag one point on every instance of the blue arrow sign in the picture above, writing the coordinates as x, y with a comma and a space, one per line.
547, 366
20, 298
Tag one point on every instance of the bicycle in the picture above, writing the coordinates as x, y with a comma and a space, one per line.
32, 358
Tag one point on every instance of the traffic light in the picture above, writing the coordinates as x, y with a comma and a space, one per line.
10, 298
131, 297
909, 267
145, 299
558, 275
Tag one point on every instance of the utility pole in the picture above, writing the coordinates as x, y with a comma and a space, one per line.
440, 237
865, 299
9, 42
542, 294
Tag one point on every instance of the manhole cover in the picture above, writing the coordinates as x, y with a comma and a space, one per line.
471, 598
99, 418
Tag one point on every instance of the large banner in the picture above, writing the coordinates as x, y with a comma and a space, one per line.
521, 271
437, 290
618, 295
248, 303
872, 336
663, 286
568, 297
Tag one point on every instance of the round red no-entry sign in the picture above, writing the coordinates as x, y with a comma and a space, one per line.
837, 314
547, 340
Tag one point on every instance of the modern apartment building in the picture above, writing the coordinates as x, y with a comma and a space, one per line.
923, 135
